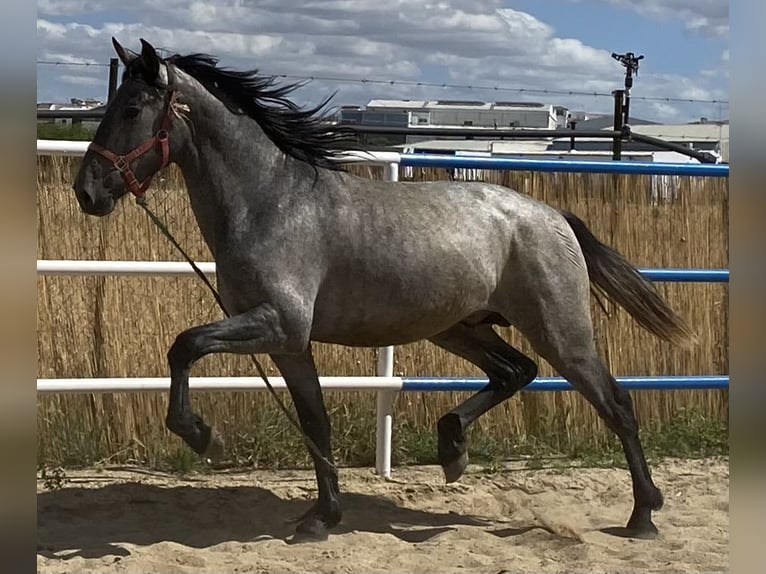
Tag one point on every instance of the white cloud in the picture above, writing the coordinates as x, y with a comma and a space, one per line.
476, 43
69, 7
668, 111
82, 80
68, 59
709, 17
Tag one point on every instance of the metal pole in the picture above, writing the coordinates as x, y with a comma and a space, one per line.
223, 384
572, 126
114, 69
563, 165
458, 131
618, 117
630, 61
701, 156
57, 267
385, 399
384, 416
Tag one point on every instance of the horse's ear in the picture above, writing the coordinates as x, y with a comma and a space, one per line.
151, 62
126, 56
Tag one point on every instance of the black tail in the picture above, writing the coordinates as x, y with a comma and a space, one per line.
616, 278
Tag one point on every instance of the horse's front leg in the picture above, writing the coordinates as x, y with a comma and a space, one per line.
264, 329
302, 381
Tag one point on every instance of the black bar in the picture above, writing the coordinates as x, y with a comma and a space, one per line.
618, 117
98, 113
702, 156
518, 133
92, 114
114, 69
572, 126
616, 135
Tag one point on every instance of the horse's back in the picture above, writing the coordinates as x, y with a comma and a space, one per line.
418, 257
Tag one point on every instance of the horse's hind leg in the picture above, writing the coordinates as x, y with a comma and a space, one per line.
562, 334
615, 406
508, 370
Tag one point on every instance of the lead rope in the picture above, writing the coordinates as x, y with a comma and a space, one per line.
141, 201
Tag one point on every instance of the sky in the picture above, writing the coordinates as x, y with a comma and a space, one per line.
550, 51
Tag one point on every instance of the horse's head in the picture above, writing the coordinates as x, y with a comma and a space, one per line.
134, 139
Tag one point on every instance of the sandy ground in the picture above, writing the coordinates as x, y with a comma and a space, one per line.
549, 520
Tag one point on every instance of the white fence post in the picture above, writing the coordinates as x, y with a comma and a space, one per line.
385, 415
385, 399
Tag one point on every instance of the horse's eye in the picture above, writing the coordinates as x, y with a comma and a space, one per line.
131, 112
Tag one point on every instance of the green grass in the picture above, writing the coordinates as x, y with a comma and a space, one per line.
270, 442
72, 132
690, 434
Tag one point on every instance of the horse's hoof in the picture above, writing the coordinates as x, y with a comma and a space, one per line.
312, 529
647, 534
640, 525
641, 530
454, 469
215, 448
451, 451
645, 531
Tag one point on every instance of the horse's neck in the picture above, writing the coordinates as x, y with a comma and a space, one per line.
227, 169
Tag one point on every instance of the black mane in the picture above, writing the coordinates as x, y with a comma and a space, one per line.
301, 133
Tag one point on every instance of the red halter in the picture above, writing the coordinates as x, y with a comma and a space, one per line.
122, 162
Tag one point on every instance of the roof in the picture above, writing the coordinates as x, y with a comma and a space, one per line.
414, 104
607, 122
684, 132
458, 104
83, 105
526, 147
543, 147
488, 146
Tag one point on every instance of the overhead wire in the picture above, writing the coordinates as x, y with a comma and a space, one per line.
447, 85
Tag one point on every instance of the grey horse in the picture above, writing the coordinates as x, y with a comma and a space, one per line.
307, 252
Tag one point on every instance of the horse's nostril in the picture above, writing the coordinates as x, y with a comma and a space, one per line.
90, 202
87, 200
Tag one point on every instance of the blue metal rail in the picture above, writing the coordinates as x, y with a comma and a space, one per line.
565, 165
687, 275
664, 383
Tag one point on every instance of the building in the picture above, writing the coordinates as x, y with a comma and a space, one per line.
74, 104
454, 113
711, 137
